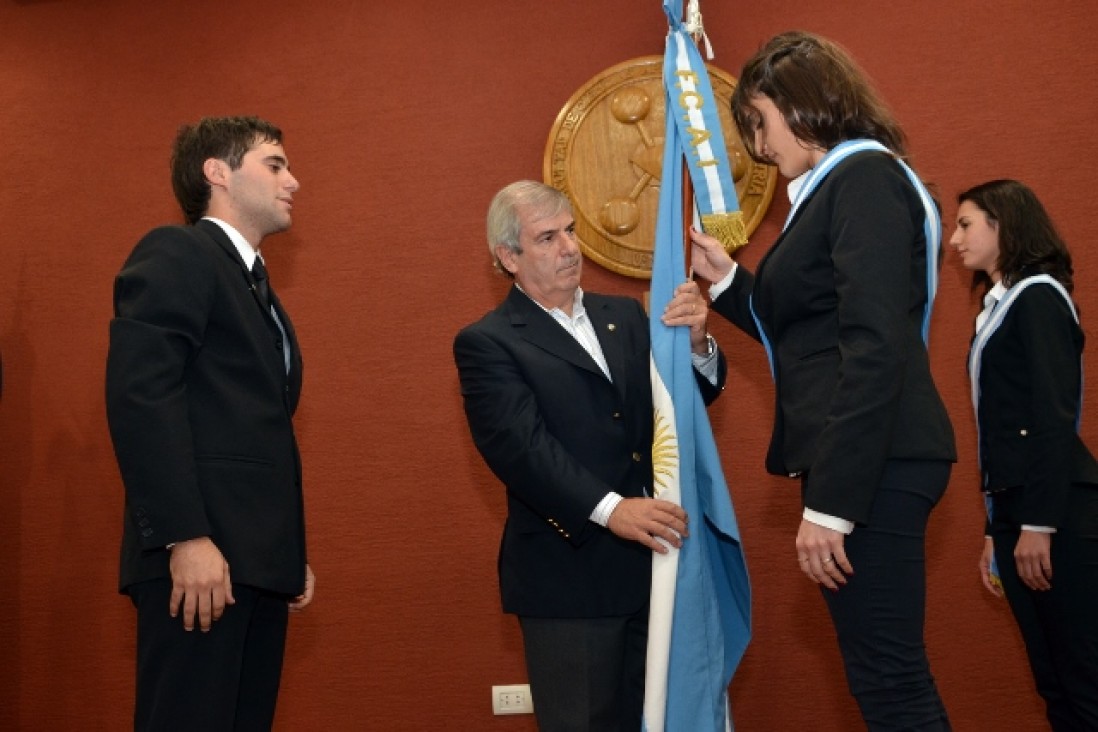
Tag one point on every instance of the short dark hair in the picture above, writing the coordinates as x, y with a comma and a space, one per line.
823, 95
223, 138
1028, 241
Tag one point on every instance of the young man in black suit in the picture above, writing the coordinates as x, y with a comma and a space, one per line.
559, 402
203, 378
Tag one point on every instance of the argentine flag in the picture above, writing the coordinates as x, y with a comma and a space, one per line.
700, 616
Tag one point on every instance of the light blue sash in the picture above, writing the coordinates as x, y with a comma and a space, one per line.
975, 355
932, 224
975, 361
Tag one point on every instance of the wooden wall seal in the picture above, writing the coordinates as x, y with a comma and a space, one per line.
605, 152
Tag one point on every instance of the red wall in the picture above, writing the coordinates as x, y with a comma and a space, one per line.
401, 120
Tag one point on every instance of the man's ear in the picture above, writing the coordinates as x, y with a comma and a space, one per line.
506, 257
216, 172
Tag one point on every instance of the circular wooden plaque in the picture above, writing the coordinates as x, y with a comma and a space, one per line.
605, 152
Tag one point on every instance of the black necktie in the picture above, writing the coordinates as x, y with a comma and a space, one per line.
262, 287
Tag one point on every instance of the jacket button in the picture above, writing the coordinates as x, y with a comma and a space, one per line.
1023, 433
636, 457
617, 415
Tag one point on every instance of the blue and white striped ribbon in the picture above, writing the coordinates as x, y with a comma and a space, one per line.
698, 127
932, 223
975, 362
975, 354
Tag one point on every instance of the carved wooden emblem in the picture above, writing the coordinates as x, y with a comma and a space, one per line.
605, 152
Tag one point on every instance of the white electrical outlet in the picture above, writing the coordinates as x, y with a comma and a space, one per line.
513, 699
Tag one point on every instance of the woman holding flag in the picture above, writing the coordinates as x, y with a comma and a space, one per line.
842, 304
1040, 479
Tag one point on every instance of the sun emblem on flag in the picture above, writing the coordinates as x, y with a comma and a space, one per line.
665, 453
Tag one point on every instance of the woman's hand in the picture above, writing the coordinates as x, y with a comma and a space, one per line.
708, 257
991, 582
821, 555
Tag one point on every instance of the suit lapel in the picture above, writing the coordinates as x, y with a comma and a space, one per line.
539, 328
608, 331
218, 236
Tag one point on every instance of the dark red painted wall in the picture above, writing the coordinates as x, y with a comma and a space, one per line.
401, 120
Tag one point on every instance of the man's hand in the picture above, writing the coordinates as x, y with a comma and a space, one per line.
688, 308
821, 555
1033, 557
298, 603
200, 583
646, 520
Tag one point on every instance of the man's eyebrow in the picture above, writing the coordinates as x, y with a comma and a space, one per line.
566, 227
276, 159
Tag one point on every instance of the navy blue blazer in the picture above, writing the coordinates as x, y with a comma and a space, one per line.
1029, 400
200, 409
841, 297
560, 436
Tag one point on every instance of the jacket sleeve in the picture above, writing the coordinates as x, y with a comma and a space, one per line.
734, 304
510, 433
1047, 332
162, 298
872, 238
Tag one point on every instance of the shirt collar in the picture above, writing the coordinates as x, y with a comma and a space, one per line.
247, 252
996, 292
796, 185
578, 311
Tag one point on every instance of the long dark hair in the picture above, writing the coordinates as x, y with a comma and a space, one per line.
1028, 241
821, 92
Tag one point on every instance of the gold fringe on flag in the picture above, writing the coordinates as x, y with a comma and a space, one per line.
729, 228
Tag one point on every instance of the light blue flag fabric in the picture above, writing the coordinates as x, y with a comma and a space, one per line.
700, 617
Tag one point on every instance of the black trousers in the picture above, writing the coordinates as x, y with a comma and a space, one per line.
222, 680
1060, 625
879, 614
587, 674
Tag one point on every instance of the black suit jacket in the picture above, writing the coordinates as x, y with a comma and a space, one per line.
560, 436
199, 406
841, 297
1029, 399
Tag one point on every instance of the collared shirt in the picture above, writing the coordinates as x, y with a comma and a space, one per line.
991, 299
579, 326
247, 252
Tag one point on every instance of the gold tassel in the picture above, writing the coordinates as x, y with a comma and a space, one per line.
728, 228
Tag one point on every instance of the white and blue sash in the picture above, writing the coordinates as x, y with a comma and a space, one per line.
932, 224
975, 362
975, 354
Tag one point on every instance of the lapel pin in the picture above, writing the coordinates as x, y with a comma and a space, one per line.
611, 327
